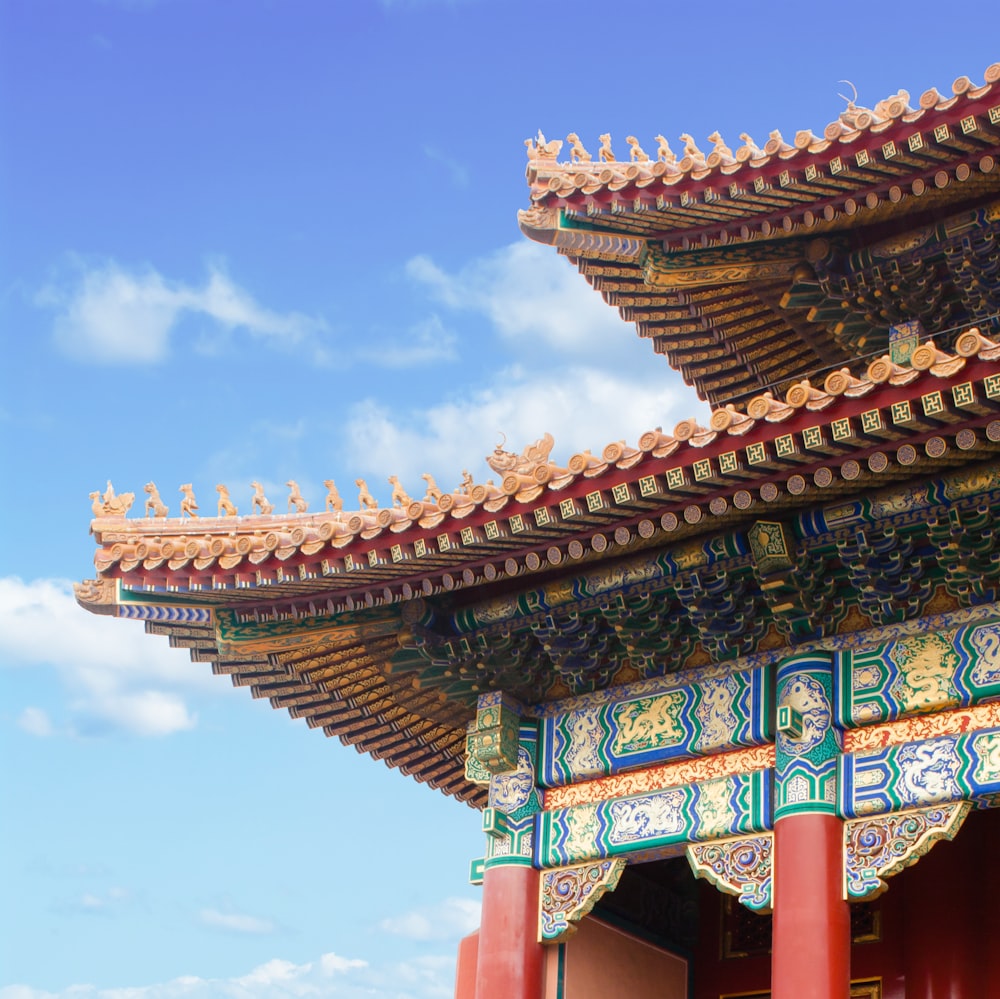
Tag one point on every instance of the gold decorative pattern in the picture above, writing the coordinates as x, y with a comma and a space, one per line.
922, 727
656, 778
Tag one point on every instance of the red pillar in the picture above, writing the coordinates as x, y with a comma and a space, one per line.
510, 956
811, 943
946, 911
465, 968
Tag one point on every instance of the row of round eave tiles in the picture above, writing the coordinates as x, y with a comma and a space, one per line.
308, 540
877, 463
805, 142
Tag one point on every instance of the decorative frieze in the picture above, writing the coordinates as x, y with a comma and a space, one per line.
704, 717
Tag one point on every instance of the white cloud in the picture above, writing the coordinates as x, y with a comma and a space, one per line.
459, 172
114, 675
529, 291
235, 921
587, 377
114, 315
103, 904
449, 919
428, 977
35, 721
425, 342
581, 407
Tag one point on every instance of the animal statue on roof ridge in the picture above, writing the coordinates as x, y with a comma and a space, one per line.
467, 483
539, 149
400, 497
96, 503
505, 462
692, 151
112, 505
433, 493
259, 501
227, 508
663, 151
893, 106
636, 153
189, 505
295, 497
153, 501
365, 499
749, 149
776, 143
333, 500
606, 154
719, 147
577, 153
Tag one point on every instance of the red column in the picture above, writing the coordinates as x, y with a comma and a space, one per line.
510, 956
945, 953
811, 943
465, 968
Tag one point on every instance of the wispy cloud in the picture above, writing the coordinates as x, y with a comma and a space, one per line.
586, 378
235, 922
102, 903
114, 677
426, 342
35, 721
583, 408
107, 313
329, 976
453, 917
530, 294
459, 171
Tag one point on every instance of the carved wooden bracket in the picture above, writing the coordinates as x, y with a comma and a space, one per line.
876, 848
742, 867
567, 894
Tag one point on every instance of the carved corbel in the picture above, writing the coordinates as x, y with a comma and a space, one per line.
876, 848
567, 894
741, 867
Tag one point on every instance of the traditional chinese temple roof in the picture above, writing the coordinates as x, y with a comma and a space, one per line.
754, 266
704, 545
841, 493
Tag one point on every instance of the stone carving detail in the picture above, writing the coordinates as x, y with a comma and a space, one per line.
259, 502
400, 497
540, 149
365, 499
740, 867
577, 153
189, 505
227, 508
567, 894
532, 457
877, 848
154, 504
333, 500
110, 505
295, 499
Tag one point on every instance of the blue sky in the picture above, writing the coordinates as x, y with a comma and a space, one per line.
262, 240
